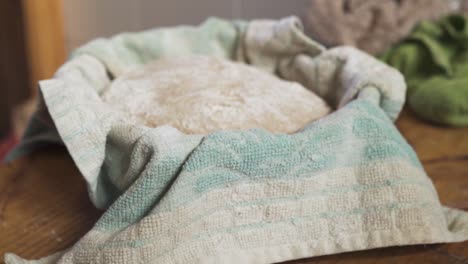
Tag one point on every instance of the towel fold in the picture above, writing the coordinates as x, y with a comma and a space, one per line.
346, 182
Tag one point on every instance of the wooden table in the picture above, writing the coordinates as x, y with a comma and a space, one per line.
44, 205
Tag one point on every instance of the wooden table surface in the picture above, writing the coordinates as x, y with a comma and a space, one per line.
44, 205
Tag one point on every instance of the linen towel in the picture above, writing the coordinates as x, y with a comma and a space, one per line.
434, 61
346, 182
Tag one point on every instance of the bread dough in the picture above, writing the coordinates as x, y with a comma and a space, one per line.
201, 94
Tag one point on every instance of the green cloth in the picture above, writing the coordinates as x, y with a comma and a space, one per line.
434, 61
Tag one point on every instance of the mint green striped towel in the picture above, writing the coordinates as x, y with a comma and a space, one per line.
346, 182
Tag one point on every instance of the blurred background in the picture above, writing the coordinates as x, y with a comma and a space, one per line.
37, 36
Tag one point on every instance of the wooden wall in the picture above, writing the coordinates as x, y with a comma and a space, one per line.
45, 41
14, 72
32, 46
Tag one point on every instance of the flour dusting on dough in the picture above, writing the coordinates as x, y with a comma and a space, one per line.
201, 94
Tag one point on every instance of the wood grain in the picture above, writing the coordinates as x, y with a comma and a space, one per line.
432, 142
44, 206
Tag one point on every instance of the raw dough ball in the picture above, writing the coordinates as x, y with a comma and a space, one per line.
201, 94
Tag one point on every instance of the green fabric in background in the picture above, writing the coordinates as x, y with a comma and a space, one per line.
434, 61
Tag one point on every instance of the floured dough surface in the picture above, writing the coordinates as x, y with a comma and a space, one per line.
201, 94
